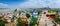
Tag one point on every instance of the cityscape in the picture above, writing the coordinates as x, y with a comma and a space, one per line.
33, 17
29, 12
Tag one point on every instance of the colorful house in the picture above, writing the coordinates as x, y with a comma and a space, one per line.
52, 14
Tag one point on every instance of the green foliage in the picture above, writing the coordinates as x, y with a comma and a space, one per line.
57, 19
33, 22
15, 10
27, 15
2, 22
20, 23
38, 12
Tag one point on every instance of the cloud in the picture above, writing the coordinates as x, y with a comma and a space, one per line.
40, 3
55, 4
2, 5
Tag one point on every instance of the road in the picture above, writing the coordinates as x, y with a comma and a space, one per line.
45, 21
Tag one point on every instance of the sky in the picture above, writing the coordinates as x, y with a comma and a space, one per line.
29, 3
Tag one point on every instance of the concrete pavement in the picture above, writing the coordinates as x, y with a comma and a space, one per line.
45, 21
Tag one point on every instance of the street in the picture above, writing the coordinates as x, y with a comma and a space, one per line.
45, 21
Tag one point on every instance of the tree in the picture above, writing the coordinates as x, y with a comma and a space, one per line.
2, 23
15, 10
39, 12
33, 21
19, 13
27, 15
57, 19
20, 22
